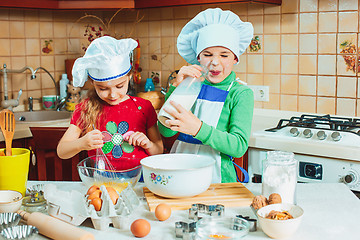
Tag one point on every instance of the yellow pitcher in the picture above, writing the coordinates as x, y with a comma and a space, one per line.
14, 170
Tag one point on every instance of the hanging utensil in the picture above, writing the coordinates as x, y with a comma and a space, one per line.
7, 124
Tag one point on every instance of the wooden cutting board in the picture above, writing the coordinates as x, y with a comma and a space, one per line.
227, 194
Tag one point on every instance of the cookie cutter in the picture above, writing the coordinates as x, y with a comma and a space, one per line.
185, 230
211, 210
252, 222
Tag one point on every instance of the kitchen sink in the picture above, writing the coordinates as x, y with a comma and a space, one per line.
41, 116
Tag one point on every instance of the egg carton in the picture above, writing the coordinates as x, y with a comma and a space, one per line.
73, 207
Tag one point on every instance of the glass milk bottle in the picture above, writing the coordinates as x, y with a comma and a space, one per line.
185, 94
280, 175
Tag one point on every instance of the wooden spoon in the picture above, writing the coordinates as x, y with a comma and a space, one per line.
7, 124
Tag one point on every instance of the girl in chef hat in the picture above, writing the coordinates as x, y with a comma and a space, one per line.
220, 121
123, 126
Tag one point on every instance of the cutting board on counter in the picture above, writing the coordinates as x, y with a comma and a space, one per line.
227, 194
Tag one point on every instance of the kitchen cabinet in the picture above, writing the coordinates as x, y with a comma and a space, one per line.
172, 3
115, 4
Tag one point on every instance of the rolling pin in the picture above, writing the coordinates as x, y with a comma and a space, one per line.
55, 228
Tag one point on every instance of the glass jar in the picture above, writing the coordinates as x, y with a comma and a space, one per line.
280, 175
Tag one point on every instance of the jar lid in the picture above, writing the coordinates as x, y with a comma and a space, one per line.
280, 157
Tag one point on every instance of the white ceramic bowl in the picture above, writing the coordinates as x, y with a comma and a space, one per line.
280, 229
10, 201
177, 175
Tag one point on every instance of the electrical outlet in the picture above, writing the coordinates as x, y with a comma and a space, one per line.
261, 93
156, 76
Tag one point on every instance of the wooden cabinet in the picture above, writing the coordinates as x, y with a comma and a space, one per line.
172, 3
116, 4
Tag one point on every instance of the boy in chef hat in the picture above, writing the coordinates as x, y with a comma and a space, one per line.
123, 126
219, 124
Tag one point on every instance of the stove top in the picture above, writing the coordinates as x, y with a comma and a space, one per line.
321, 135
324, 122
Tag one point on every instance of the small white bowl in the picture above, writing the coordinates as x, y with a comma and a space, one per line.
10, 201
177, 175
280, 229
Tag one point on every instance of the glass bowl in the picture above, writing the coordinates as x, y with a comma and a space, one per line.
222, 228
94, 171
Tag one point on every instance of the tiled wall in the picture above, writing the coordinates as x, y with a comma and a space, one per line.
301, 57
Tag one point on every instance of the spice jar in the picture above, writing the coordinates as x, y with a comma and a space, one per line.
280, 175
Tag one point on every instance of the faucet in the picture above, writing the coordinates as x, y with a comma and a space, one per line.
11, 103
171, 77
59, 102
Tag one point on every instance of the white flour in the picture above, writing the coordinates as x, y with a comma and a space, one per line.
281, 180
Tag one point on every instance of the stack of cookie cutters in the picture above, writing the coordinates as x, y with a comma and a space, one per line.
9, 228
185, 230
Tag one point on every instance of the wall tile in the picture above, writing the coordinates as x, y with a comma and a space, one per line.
154, 29
5, 48
257, 22
272, 9
154, 45
307, 64
274, 102
255, 63
16, 14
327, 64
178, 25
239, 8
32, 30
348, 5
60, 46
308, 22
328, 5
326, 86
327, 43
273, 81
342, 68
168, 45
307, 85
291, 6
289, 23
358, 108
328, 22
344, 38
5, 29
46, 30
346, 87
308, 43
167, 28
308, 5
271, 44
272, 64
32, 46
255, 9
271, 23
241, 66
142, 29
167, 13
17, 29
307, 104
289, 84
326, 105
289, 64
17, 47
47, 62
255, 79
348, 21
4, 14
289, 43
59, 29
288, 102
345, 107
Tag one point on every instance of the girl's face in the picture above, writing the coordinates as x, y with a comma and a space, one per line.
114, 91
220, 62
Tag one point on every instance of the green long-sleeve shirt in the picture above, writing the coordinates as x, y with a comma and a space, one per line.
232, 133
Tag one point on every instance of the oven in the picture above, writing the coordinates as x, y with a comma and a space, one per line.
326, 147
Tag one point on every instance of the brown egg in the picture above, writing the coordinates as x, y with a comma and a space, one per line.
97, 202
113, 194
92, 189
95, 194
162, 211
140, 228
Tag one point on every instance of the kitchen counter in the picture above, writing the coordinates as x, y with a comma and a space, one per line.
331, 211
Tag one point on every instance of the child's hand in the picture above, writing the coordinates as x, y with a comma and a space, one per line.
187, 71
139, 139
185, 121
92, 140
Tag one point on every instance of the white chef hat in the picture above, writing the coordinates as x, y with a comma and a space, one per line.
214, 27
105, 59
